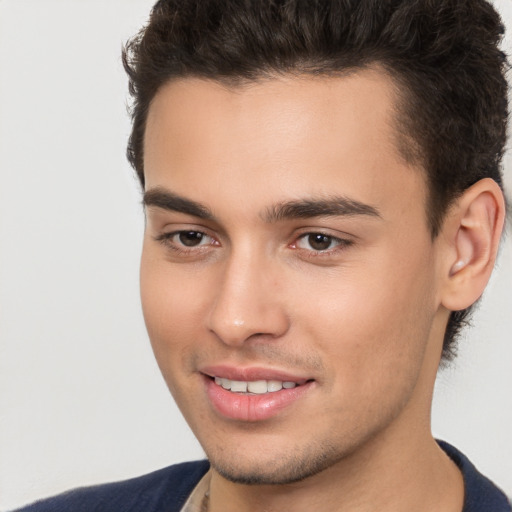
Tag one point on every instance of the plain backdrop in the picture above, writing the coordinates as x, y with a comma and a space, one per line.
81, 398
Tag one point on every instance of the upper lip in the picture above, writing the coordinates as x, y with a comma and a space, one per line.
249, 374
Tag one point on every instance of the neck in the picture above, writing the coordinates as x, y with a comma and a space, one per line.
415, 476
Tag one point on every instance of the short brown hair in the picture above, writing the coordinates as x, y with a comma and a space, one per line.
443, 54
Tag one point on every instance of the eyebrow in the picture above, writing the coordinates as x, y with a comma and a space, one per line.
331, 206
167, 200
324, 207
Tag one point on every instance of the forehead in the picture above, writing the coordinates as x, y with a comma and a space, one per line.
289, 106
283, 136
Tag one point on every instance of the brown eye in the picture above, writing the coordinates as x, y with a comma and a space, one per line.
187, 241
190, 238
319, 242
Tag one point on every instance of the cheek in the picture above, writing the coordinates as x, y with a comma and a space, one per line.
373, 323
172, 307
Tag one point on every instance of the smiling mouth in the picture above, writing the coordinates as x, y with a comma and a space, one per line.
256, 399
255, 387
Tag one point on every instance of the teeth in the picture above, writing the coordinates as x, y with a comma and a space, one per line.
274, 385
257, 387
239, 386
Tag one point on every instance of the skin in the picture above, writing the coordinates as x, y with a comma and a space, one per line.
363, 319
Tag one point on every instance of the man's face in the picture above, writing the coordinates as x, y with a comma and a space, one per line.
287, 250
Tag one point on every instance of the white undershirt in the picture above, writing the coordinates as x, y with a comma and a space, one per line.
195, 500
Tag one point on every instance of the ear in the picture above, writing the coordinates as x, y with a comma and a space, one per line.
471, 235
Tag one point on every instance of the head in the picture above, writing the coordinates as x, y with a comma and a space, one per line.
444, 58
315, 174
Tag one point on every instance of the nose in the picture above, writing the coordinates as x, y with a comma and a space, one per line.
248, 303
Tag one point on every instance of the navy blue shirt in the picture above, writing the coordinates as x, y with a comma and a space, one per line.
481, 495
167, 490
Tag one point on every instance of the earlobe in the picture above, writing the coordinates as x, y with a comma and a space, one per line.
473, 235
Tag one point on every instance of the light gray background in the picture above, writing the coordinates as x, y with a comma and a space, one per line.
81, 398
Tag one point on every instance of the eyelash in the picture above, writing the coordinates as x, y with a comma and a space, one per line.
167, 240
340, 244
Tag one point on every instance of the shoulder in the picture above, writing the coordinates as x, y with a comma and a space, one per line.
166, 489
482, 495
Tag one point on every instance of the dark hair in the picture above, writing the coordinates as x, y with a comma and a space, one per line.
443, 54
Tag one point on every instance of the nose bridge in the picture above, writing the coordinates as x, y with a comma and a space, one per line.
246, 303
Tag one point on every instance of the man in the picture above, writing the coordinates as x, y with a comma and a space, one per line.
323, 207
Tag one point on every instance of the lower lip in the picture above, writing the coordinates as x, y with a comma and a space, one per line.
238, 406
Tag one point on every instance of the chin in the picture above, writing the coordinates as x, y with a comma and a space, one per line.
277, 470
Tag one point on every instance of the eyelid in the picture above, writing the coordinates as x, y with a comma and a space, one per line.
331, 238
342, 243
166, 239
